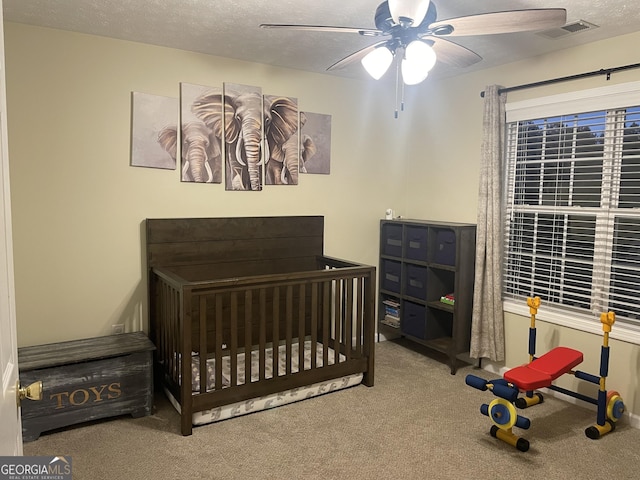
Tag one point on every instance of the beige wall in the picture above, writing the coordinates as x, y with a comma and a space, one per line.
78, 205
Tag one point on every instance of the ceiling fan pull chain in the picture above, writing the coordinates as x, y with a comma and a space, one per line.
395, 115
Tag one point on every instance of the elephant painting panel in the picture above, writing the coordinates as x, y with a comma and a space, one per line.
282, 140
201, 147
151, 116
315, 143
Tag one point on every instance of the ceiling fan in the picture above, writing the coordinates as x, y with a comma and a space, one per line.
412, 33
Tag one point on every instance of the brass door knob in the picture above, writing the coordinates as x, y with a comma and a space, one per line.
32, 392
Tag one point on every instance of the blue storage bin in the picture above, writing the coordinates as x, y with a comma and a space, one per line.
415, 243
392, 240
391, 275
445, 247
413, 320
415, 281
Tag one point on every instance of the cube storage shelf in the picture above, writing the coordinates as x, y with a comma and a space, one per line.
420, 263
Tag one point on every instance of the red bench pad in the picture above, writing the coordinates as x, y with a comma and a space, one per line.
543, 370
527, 379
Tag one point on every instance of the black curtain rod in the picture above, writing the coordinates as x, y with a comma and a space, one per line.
602, 71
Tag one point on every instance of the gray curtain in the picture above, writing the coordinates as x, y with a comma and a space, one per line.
487, 328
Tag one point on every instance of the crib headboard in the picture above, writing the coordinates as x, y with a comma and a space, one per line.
235, 246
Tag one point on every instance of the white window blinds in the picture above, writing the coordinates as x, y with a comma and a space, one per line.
573, 207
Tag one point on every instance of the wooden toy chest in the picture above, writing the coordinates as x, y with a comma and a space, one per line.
85, 380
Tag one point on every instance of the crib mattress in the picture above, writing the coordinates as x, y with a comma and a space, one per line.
268, 401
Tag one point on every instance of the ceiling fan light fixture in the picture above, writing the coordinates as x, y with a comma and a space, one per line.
419, 59
408, 11
377, 62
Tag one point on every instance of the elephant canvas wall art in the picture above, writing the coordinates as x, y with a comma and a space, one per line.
264, 139
150, 116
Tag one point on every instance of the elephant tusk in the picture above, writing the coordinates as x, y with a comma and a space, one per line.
209, 172
264, 154
239, 152
283, 175
267, 152
261, 159
185, 171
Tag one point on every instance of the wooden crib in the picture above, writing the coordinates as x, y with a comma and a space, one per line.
225, 290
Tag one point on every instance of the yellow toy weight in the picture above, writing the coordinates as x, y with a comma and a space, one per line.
615, 406
502, 413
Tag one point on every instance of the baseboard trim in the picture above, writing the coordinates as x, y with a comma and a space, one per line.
499, 370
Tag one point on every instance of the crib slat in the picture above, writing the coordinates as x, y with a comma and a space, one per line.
158, 298
276, 331
314, 324
177, 332
203, 343
248, 297
301, 329
162, 330
348, 318
262, 346
337, 319
326, 321
289, 334
233, 351
359, 316
174, 334
219, 350
167, 308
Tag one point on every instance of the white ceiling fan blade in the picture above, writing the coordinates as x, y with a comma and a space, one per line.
355, 56
367, 32
452, 53
504, 22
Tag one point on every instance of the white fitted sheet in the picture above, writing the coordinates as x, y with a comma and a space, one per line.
268, 401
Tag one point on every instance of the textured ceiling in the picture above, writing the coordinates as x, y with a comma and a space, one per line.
229, 28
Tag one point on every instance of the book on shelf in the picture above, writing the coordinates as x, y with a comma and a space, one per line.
392, 321
391, 308
448, 299
392, 311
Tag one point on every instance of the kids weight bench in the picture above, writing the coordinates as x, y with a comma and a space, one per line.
540, 372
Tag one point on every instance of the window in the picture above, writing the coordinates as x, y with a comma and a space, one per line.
572, 231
